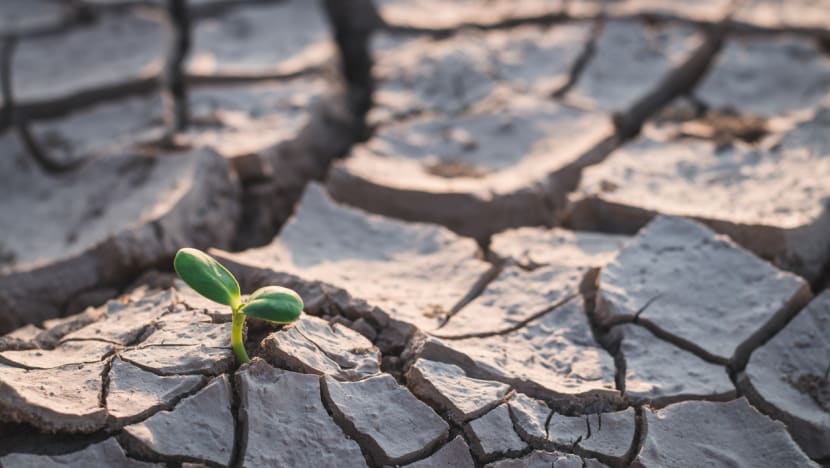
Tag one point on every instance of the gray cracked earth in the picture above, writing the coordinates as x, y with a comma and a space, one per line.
500, 275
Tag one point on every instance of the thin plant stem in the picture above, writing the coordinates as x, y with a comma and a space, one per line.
238, 345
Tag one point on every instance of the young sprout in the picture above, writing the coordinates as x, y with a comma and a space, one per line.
210, 279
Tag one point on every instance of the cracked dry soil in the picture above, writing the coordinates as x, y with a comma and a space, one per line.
552, 248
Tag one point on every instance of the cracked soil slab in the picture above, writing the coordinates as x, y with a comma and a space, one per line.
180, 333
245, 121
277, 40
287, 423
555, 357
125, 320
659, 372
630, 60
100, 130
530, 418
767, 75
239, 121
671, 261
172, 360
455, 453
314, 346
116, 51
199, 429
106, 453
679, 435
512, 298
771, 201
492, 435
447, 388
478, 173
132, 212
607, 436
413, 272
134, 394
532, 247
448, 76
73, 352
63, 399
385, 418
788, 377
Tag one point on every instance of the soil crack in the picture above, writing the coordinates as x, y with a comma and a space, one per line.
597, 27
519, 325
484, 280
240, 437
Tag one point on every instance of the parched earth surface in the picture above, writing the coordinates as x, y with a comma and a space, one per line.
574, 234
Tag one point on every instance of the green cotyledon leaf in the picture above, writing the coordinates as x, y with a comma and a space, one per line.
275, 304
207, 276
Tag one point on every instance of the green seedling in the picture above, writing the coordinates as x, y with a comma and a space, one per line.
210, 279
